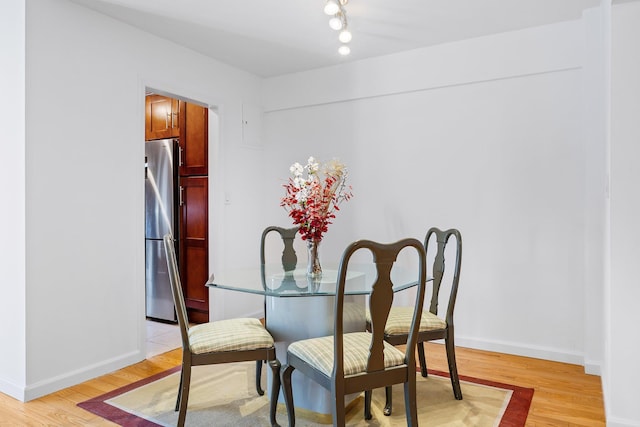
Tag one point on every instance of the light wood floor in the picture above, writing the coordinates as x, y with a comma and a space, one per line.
564, 395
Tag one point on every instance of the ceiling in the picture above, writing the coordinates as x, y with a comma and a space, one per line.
270, 38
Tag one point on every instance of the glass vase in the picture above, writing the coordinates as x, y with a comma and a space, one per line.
314, 269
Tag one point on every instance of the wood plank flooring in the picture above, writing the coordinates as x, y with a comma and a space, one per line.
564, 395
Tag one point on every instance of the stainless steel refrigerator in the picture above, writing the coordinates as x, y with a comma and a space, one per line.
160, 219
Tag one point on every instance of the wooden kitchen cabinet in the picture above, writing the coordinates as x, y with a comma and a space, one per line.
194, 220
162, 117
194, 247
167, 117
194, 140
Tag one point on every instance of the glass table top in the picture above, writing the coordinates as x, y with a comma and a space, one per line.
272, 280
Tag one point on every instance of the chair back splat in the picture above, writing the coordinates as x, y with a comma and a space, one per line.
442, 239
289, 256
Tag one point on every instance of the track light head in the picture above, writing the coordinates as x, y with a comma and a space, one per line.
331, 7
336, 23
345, 36
344, 50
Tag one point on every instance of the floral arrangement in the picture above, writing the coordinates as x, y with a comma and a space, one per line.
312, 200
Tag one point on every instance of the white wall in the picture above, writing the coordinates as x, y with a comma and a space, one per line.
85, 81
622, 373
486, 135
12, 185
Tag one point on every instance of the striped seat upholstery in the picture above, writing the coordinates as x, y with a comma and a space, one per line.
319, 353
229, 335
400, 318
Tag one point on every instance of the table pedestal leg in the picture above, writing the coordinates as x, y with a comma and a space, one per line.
296, 318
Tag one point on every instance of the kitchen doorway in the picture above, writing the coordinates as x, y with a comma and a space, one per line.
176, 201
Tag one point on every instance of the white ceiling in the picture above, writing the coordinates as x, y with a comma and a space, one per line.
273, 37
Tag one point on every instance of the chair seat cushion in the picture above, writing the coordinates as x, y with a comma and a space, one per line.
319, 353
229, 335
399, 321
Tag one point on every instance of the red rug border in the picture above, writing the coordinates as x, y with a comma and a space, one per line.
98, 406
515, 414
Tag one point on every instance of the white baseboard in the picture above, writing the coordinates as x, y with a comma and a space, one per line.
621, 422
11, 389
592, 368
519, 349
41, 388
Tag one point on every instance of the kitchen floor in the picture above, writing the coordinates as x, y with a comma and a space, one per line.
162, 337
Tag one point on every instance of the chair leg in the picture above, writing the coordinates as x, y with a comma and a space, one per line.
367, 404
275, 391
179, 390
339, 411
288, 394
423, 360
453, 368
410, 403
388, 405
184, 394
259, 377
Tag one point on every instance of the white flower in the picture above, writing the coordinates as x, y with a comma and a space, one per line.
312, 166
296, 169
299, 181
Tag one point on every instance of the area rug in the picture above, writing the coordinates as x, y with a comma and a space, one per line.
225, 395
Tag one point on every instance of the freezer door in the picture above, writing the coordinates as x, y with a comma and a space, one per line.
159, 188
159, 300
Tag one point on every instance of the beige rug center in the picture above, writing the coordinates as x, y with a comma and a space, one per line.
224, 395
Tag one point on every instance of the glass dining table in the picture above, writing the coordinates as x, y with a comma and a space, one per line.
298, 307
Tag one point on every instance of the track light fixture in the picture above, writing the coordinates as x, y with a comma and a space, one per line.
338, 21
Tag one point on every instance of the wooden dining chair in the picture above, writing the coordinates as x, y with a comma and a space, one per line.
432, 326
223, 341
346, 363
